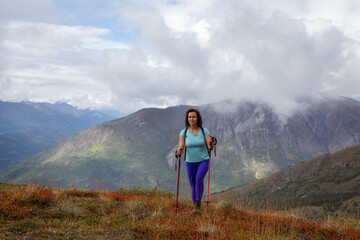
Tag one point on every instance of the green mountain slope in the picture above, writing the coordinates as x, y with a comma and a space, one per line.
120, 153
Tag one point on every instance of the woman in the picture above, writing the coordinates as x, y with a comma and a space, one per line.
193, 139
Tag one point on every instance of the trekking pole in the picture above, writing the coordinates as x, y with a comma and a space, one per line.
178, 181
208, 190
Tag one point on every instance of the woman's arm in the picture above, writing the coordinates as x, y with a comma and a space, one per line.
181, 145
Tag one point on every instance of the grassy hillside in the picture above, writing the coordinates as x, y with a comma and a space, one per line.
330, 184
33, 212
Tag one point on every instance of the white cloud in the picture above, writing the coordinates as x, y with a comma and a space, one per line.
249, 50
97, 43
48, 62
28, 10
183, 52
343, 15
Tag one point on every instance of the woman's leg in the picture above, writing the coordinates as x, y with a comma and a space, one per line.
202, 169
191, 170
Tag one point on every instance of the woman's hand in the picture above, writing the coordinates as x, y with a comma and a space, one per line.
209, 142
180, 151
181, 145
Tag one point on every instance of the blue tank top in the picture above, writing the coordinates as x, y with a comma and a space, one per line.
196, 150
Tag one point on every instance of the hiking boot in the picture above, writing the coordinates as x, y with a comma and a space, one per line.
197, 208
197, 205
196, 212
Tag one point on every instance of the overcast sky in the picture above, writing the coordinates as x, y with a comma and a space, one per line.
132, 54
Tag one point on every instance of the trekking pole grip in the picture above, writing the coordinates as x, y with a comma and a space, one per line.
177, 155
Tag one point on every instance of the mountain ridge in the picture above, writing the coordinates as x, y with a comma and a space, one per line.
139, 149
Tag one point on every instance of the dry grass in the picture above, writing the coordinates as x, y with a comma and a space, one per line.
43, 213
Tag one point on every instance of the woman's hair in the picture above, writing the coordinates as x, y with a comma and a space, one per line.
199, 119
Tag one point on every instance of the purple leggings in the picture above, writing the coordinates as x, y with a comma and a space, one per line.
196, 173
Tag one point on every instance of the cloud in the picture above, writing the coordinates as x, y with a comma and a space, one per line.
4, 82
251, 50
49, 62
42, 60
285, 61
28, 10
163, 53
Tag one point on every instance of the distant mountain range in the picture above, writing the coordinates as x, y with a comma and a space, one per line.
138, 150
328, 184
27, 128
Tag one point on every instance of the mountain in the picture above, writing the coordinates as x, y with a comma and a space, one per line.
329, 183
27, 128
138, 150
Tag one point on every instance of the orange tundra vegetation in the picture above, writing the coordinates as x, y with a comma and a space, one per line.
33, 212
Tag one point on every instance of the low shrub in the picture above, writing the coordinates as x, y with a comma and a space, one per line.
41, 196
13, 207
81, 193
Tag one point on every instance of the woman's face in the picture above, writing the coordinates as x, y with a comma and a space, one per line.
192, 118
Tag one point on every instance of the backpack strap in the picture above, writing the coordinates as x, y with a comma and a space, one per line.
208, 150
214, 140
185, 148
